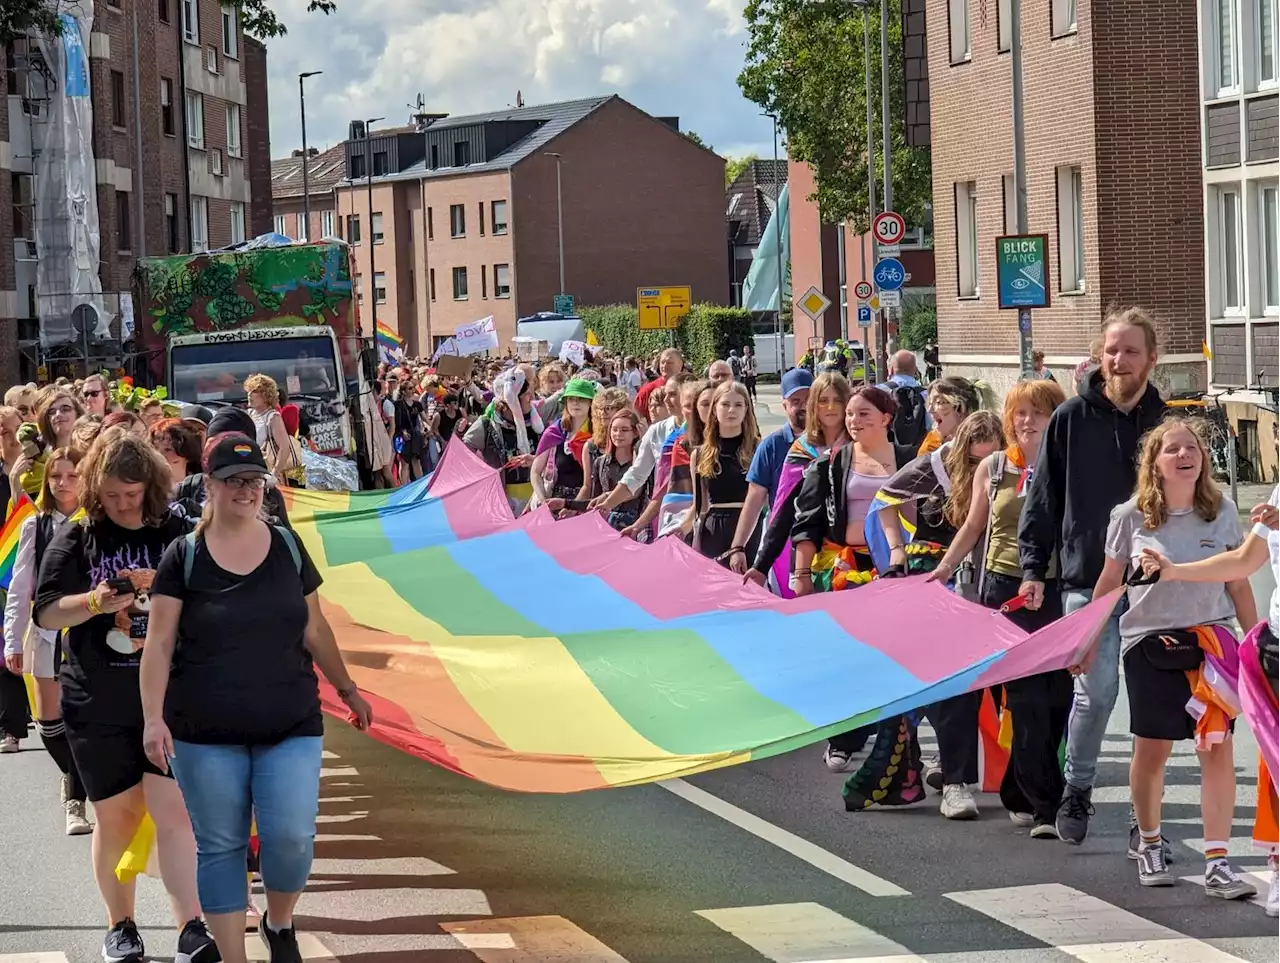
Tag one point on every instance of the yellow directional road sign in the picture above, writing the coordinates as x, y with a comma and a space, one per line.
662, 308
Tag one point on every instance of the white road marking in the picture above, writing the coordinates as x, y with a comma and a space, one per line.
334, 772
342, 799
1257, 879
391, 866
392, 903
346, 838
310, 947
33, 958
341, 817
530, 939
326, 754
802, 849
1072, 921
803, 932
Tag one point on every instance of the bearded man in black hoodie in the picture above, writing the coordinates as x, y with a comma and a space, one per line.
1088, 466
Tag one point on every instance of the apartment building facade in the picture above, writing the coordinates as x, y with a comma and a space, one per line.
179, 143
1114, 176
461, 218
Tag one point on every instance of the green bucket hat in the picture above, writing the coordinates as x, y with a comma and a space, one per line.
580, 388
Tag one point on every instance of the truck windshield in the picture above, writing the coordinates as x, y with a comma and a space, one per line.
215, 372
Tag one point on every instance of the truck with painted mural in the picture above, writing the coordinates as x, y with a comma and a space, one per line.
207, 321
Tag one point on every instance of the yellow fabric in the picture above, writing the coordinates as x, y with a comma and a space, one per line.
137, 856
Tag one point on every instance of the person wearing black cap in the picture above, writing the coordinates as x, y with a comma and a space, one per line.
191, 490
230, 698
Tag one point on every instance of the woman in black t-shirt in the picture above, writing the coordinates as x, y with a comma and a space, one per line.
230, 696
95, 584
720, 466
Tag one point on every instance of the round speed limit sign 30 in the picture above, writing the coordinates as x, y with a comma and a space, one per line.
863, 290
889, 227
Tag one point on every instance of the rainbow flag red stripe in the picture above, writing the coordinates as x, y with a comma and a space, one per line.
20, 510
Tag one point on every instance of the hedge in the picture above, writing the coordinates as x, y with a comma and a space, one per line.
706, 333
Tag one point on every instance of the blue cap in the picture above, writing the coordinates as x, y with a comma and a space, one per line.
797, 379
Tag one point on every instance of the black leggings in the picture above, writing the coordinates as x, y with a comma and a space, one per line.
15, 713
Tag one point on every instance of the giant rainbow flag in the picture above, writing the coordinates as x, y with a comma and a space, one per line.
556, 656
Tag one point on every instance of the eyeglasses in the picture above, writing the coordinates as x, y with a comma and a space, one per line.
94, 393
62, 410
251, 482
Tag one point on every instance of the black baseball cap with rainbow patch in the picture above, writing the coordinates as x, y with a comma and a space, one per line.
234, 454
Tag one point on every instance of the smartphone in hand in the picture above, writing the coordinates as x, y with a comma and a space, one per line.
121, 586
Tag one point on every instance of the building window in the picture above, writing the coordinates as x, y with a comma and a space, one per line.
166, 107
1270, 266
1063, 17
459, 284
326, 224
376, 227
303, 227
353, 228
498, 217
480, 215
1229, 245
215, 162
380, 287
199, 223
162, 10
435, 157
1224, 14
117, 99
230, 40
461, 153
191, 21
966, 199
502, 280
1070, 229
279, 225
379, 163
195, 120
171, 223
358, 286
237, 222
233, 130
958, 14
124, 233
1266, 42
484, 281
357, 166
457, 220
431, 283
431, 227
1004, 25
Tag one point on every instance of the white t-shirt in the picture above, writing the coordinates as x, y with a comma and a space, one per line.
631, 381
1273, 547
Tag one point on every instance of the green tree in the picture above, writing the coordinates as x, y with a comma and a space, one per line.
694, 136
259, 20
805, 65
734, 166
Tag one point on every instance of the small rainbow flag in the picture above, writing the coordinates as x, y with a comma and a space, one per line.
19, 511
390, 344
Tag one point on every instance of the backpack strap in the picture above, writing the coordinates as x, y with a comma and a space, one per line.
188, 558
291, 542
998, 463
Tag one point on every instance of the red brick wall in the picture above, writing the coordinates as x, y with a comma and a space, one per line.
257, 139
814, 259
643, 205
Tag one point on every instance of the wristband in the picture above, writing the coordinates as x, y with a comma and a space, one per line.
92, 604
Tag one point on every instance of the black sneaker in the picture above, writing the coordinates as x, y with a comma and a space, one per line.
1073, 815
123, 944
282, 945
195, 945
1135, 840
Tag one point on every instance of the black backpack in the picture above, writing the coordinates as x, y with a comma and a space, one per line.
910, 419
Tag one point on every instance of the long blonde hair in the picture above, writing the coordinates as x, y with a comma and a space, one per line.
709, 450
979, 428
605, 398
1151, 502
827, 381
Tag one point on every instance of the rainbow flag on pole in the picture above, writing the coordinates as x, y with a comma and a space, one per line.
557, 656
390, 344
19, 511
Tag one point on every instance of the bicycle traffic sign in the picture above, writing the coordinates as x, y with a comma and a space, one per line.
863, 290
889, 227
889, 274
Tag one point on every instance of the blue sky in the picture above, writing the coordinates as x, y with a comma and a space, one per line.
668, 57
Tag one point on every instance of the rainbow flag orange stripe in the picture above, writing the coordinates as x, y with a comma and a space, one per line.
19, 511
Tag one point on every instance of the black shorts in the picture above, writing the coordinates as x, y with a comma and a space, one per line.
110, 758
1157, 699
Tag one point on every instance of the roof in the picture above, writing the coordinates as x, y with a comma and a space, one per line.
325, 170
750, 199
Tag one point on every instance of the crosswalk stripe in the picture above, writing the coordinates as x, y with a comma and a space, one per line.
33, 958
334, 772
390, 866
804, 932
308, 945
1072, 921
383, 903
1256, 879
530, 939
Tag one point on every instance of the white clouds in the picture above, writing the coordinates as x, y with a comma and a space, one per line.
669, 57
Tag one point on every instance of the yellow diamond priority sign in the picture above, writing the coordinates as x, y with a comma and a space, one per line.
813, 302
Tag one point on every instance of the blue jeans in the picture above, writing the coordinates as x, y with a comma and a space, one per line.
225, 787
1095, 695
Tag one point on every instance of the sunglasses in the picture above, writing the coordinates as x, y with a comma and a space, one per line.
94, 393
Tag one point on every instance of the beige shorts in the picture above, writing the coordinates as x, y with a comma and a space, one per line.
39, 658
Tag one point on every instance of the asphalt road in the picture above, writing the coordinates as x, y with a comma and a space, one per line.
758, 862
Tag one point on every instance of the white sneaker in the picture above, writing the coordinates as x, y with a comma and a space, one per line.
958, 803
1025, 820
9, 744
77, 823
1273, 894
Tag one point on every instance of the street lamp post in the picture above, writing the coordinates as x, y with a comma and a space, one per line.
306, 159
559, 216
368, 169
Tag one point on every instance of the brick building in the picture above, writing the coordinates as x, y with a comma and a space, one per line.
464, 213
183, 166
1114, 178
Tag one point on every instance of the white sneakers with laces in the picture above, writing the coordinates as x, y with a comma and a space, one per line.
958, 803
